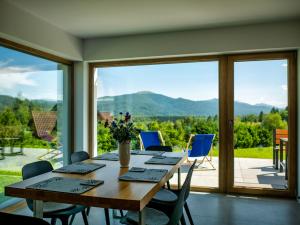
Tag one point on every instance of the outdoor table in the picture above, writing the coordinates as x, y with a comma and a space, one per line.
11, 141
284, 142
114, 194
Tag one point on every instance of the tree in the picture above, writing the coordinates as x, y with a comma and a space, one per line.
261, 116
273, 121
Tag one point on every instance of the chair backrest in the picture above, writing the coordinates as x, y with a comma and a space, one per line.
150, 138
277, 134
178, 209
201, 145
159, 148
19, 219
79, 156
35, 169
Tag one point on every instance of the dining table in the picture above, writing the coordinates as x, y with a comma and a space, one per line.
113, 193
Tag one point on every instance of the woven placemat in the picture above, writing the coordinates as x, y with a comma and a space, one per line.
163, 160
66, 185
108, 156
139, 152
144, 175
79, 168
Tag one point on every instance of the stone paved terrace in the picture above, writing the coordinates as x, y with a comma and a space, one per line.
249, 172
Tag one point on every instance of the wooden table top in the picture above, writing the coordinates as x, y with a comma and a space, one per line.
112, 194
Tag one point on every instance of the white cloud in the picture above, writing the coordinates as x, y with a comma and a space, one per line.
284, 87
284, 64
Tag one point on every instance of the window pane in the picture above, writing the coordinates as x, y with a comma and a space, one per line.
31, 113
176, 99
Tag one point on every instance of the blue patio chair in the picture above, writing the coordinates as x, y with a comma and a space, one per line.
151, 138
202, 145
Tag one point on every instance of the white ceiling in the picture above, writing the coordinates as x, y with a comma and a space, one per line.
98, 18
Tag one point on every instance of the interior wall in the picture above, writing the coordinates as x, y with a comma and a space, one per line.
81, 106
260, 37
298, 134
21, 27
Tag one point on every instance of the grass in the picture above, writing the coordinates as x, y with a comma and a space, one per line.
260, 152
4, 181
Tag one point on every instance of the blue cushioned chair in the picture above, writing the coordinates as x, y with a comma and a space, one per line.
202, 145
151, 138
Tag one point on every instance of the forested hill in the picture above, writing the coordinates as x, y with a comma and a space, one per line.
9, 102
152, 104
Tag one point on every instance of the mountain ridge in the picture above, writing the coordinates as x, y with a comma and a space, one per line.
149, 103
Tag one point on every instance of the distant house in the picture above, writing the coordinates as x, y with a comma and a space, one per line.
105, 116
44, 123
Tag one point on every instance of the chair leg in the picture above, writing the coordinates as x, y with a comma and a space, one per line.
53, 221
64, 220
88, 211
72, 219
121, 213
106, 212
84, 217
168, 185
188, 213
182, 220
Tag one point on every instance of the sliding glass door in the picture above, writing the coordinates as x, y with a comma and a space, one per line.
263, 118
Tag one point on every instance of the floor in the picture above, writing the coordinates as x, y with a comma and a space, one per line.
218, 209
247, 172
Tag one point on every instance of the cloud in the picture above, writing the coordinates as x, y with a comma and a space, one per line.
284, 87
5, 62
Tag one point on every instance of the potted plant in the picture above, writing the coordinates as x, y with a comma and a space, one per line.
123, 131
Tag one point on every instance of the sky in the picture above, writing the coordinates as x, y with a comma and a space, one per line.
28, 76
255, 82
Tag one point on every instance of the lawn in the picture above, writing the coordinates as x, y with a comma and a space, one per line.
261, 152
4, 181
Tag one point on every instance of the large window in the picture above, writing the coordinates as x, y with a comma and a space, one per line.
178, 100
33, 113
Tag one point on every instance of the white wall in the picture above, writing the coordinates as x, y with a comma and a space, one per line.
298, 135
81, 106
24, 28
272, 36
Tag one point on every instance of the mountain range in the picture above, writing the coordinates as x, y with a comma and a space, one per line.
153, 104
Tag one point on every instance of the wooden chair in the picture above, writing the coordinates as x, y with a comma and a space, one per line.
277, 134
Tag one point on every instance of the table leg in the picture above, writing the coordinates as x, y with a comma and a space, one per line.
281, 156
142, 217
38, 208
179, 178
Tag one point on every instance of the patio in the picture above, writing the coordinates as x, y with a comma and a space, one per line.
249, 172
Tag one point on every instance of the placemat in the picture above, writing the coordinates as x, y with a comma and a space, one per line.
144, 175
139, 152
108, 156
163, 160
79, 168
66, 185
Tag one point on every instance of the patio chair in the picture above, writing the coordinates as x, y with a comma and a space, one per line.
20, 219
150, 139
165, 200
157, 217
277, 134
51, 209
202, 145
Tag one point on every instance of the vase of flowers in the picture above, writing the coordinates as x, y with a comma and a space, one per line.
123, 131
